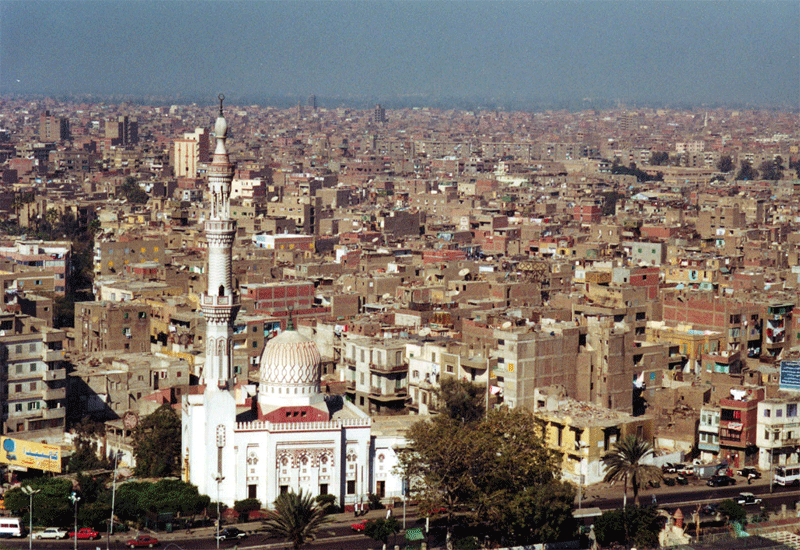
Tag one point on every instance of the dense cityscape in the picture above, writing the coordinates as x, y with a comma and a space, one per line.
325, 295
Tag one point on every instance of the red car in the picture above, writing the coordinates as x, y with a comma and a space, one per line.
85, 533
142, 541
359, 526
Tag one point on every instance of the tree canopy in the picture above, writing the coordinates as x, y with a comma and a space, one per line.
725, 164
629, 526
771, 170
461, 399
624, 462
496, 472
157, 443
131, 191
296, 518
746, 171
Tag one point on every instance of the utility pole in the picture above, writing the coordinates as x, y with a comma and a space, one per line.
30, 491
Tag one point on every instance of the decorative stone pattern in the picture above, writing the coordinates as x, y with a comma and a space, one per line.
291, 360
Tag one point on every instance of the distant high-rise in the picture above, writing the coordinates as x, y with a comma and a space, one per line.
123, 131
52, 128
379, 114
189, 152
312, 102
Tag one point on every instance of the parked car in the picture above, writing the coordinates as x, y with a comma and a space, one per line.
747, 499
142, 541
85, 533
359, 525
720, 481
749, 472
231, 533
51, 533
710, 509
687, 470
670, 468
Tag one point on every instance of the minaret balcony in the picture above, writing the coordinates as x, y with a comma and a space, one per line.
220, 226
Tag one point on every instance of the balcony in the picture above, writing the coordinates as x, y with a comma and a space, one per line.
52, 375
50, 394
59, 412
53, 355
378, 395
388, 369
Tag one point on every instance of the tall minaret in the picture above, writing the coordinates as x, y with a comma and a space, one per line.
221, 302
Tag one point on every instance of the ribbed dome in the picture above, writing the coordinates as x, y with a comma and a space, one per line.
290, 366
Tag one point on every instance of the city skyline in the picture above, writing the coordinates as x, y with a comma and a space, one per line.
503, 53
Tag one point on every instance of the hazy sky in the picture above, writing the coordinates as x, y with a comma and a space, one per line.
630, 50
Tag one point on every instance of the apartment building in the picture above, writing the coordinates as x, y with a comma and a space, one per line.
778, 432
53, 256
110, 326
376, 373
33, 378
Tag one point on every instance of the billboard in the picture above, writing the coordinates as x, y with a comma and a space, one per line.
790, 375
41, 456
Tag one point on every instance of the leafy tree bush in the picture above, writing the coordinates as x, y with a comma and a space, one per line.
381, 529
725, 164
157, 443
461, 400
733, 511
497, 471
327, 503
243, 507
746, 171
631, 526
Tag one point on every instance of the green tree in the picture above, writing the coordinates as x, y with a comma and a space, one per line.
244, 507
771, 170
86, 455
746, 171
381, 529
624, 462
659, 158
632, 526
296, 518
461, 400
733, 511
725, 164
157, 443
497, 471
131, 191
51, 505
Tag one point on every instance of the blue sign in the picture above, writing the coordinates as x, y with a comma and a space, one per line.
790, 375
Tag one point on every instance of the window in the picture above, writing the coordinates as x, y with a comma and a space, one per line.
18, 388
791, 410
19, 369
351, 486
779, 413
33, 367
18, 407
767, 413
33, 386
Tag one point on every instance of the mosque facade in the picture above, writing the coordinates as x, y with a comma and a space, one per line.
288, 435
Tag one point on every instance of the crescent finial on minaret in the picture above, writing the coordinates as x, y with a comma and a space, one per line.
221, 99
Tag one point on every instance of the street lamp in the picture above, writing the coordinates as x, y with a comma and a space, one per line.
218, 478
75, 498
30, 491
113, 497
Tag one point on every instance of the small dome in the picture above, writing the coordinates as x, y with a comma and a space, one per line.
290, 365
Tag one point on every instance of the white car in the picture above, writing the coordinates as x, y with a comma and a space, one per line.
51, 533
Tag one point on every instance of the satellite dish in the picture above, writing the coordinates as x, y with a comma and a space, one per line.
274, 199
386, 296
375, 239
507, 324
464, 272
425, 332
489, 259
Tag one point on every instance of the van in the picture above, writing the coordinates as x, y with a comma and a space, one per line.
11, 527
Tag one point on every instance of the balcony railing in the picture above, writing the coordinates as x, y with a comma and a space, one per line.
377, 393
59, 412
52, 375
387, 369
50, 394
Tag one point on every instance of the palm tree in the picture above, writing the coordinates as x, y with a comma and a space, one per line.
296, 518
624, 462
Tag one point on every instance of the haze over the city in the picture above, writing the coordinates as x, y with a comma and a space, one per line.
656, 52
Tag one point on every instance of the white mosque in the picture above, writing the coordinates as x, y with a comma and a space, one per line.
293, 437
